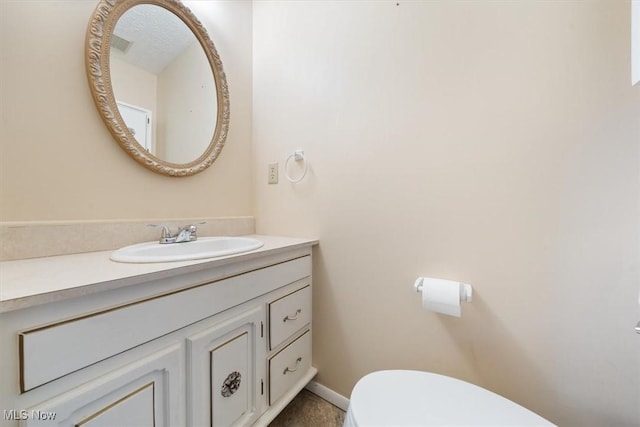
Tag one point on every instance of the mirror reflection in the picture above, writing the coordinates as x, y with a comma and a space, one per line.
163, 84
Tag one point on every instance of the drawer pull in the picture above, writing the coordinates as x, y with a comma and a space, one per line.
293, 317
288, 369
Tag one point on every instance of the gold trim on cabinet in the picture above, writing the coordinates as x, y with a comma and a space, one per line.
290, 293
22, 334
21, 358
122, 399
293, 339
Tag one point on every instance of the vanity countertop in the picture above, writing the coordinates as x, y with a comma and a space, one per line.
29, 282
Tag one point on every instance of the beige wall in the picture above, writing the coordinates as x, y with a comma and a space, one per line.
59, 162
495, 143
132, 84
186, 109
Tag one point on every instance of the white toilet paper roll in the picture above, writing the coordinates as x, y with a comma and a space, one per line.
443, 296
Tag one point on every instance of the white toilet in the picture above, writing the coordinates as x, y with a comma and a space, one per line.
415, 398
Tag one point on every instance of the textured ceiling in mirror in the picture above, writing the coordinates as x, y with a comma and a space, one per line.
157, 37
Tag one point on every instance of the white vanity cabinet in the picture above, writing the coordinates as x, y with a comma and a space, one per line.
211, 345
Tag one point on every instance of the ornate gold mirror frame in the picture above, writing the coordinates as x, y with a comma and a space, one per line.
97, 50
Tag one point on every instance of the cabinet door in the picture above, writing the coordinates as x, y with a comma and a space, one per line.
229, 368
226, 379
144, 393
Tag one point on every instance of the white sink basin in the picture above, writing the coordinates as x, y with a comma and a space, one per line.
204, 247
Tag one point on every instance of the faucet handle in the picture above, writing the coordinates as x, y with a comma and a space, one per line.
186, 234
191, 228
166, 235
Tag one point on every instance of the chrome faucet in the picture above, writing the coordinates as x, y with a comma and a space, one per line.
185, 234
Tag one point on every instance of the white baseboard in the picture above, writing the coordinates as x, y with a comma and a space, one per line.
329, 395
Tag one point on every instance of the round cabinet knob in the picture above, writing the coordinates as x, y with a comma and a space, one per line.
231, 384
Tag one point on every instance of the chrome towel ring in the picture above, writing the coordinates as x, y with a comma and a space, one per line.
297, 155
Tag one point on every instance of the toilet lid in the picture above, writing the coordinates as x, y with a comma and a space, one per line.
419, 398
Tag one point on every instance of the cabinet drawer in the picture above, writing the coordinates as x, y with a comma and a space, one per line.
288, 366
288, 315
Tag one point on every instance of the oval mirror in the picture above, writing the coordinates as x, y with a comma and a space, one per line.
158, 84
